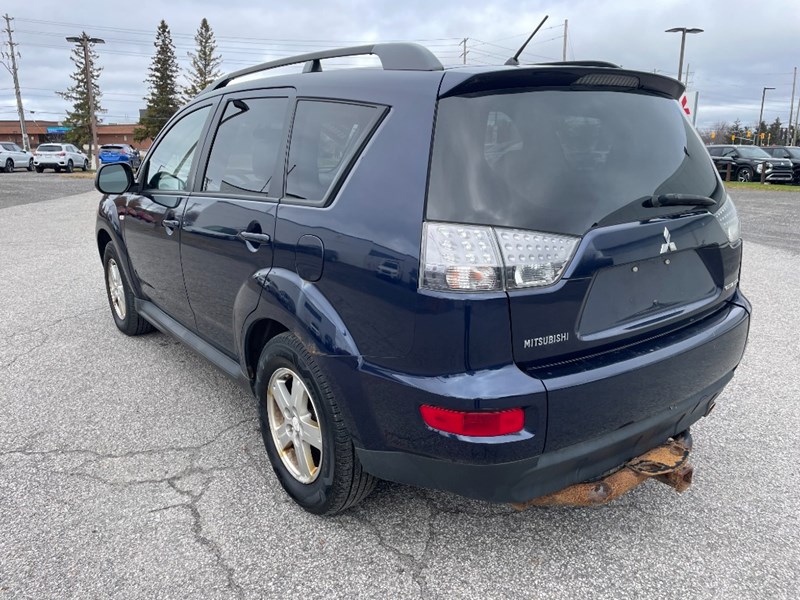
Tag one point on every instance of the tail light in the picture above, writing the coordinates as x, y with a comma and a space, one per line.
729, 220
474, 423
62, 153
470, 258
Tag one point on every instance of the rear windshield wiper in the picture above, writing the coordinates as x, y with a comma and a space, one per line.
678, 200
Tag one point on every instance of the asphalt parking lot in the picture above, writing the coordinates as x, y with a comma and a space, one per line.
27, 187
129, 467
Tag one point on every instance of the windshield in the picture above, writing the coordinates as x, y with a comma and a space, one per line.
49, 148
561, 160
751, 152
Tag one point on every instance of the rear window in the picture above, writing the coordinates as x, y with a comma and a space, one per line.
110, 147
561, 160
49, 148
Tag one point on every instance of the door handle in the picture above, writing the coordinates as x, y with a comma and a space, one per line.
255, 238
171, 223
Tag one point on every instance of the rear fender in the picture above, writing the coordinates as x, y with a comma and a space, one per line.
301, 307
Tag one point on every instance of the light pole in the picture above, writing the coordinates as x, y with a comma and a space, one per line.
683, 31
84, 41
761, 114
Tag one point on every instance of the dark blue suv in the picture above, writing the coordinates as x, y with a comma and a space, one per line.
498, 281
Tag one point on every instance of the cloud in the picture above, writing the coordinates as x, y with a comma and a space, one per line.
729, 63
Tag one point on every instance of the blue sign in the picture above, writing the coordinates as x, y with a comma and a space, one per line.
58, 129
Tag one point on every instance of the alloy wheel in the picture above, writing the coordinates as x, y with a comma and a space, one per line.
294, 425
116, 289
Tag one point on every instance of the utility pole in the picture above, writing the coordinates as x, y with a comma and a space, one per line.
12, 55
761, 113
84, 41
564, 51
796, 119
464, 52
791, 107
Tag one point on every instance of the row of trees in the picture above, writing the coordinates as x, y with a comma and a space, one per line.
165, 94
723, 132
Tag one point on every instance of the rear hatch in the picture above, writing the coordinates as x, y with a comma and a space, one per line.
605, 209
112, 153
49, 151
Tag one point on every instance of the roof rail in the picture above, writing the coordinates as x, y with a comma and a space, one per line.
582, 63
395, 56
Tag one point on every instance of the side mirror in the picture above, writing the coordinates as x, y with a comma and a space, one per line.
114, 178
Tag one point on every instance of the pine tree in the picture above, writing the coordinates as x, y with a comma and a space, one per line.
205, 64
78, 117
164, 97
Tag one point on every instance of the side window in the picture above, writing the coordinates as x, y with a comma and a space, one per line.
729, 152
325, 137
8, 147
246, 146
170, 162
715, 151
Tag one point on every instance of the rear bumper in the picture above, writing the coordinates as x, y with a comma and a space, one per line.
517, 470
522, 480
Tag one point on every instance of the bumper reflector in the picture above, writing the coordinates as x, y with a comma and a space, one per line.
476, 424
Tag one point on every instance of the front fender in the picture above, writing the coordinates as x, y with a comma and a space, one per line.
110, 217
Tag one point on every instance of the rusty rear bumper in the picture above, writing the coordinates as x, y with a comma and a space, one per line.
668, 463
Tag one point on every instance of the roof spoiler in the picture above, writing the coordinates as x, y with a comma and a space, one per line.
575, 75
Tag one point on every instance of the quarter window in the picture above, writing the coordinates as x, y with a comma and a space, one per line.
325, 138
171, 161
246, 146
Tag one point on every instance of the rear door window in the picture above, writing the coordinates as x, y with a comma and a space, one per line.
326, 137
245, 149
561, 160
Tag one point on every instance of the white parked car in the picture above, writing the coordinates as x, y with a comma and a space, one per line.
59, 156
13, 157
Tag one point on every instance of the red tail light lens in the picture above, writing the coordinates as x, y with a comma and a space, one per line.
62, 153
475, 423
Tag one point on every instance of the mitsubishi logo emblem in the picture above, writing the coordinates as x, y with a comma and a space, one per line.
667, 246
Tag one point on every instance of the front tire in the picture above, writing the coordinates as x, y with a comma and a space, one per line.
85, 166
9, 166
744, 175
40, 169
70, 166
306, 439
30, 165
120, 296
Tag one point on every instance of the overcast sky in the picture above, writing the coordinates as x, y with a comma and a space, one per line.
746, 45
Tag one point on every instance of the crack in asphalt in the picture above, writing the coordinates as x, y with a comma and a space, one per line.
53, 323
24, 451
172, 481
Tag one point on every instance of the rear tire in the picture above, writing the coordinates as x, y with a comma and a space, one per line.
30, 165
57, 169
120, 296
9, 166
70, 166
296, 403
